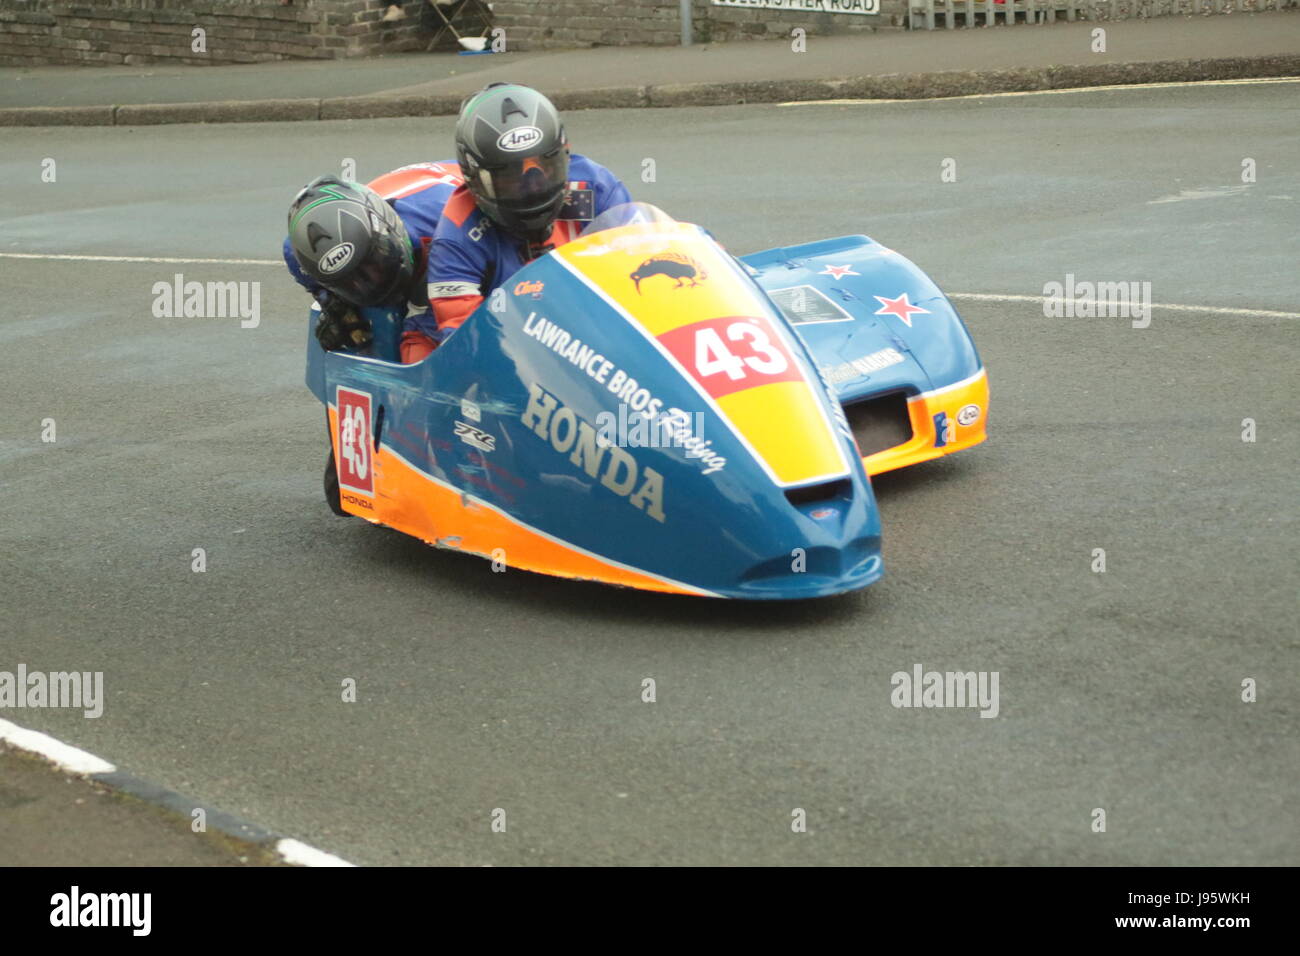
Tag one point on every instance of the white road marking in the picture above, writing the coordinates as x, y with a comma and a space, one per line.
234, 262
68, 758
1207, 192
72, 760
1073, 89
1167, 306
294, 851
974, 296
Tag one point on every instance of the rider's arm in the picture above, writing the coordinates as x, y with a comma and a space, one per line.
420, 336
457, 267
609, 190
295, 270
339, 326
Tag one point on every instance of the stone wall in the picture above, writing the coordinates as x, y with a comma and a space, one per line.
532, 24
43, 32
539, 24
39, 32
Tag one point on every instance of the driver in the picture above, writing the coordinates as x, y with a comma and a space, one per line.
524, 194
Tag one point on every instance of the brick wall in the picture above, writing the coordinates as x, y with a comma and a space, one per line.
536, 24
43, 32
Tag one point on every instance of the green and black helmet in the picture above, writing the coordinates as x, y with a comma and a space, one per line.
515, 158
348, 239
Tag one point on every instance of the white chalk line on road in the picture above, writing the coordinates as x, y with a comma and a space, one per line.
973, 296
295, 851
1166, 306
164, 260
60, 754
1073, 89
72, 760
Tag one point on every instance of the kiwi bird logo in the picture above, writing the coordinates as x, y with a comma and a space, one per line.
672, 264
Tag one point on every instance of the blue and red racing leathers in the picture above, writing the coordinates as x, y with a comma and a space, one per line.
418, 193
471, 255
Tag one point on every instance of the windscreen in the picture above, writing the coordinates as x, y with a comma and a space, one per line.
627, 214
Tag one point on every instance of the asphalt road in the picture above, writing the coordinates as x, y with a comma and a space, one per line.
479, 691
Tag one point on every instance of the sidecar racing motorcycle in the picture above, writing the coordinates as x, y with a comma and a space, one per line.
641, 408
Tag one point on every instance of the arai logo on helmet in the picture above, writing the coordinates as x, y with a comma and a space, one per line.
521, 137
337, 257
969, 415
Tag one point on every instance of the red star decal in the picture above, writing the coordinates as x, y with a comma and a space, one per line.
839, 272
899, 307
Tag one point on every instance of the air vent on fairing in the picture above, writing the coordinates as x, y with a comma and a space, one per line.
880, 422
811, 494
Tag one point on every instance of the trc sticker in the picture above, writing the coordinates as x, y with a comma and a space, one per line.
674, 265
475, 437
450, 290
337, 257
521, 137
969, 415
354, 465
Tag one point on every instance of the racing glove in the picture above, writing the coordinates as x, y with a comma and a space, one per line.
340, 325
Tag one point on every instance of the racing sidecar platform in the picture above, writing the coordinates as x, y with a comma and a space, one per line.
638, 407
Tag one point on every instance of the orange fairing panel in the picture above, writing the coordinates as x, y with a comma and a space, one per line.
964, 407
420, 505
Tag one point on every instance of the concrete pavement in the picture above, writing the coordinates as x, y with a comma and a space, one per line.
904, 66
52, 818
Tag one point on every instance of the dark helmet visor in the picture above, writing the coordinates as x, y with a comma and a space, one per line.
380, 277
530, 181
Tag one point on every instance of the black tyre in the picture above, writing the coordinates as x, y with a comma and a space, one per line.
332, 488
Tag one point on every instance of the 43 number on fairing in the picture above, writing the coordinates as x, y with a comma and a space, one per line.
714, 356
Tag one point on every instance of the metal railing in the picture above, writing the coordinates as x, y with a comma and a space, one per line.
926, 14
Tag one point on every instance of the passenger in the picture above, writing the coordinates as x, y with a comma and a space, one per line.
353, 246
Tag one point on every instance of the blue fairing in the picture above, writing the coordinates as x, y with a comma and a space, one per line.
840, 321
733, 532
